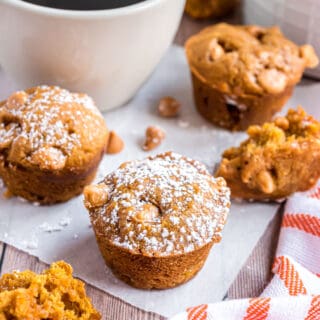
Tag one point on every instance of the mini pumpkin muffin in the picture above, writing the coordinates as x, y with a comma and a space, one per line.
54, 294
51, 143
277, 159
243, 75
156, 220
201, 9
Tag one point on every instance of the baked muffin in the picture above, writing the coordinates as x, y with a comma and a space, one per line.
277, 159
201, 9
51, 143
156, 220
243, 75
54, 294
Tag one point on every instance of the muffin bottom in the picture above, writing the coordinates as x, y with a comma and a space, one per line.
157, 272
236, 113
46, 187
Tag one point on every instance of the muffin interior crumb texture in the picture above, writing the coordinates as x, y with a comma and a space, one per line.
278, 158
54, 294
41, 126
163, 205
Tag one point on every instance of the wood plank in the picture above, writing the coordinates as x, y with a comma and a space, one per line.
110, 307
2, 248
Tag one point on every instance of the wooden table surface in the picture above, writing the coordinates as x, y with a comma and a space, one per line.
251, 280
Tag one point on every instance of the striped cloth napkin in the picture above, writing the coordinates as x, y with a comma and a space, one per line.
294, 291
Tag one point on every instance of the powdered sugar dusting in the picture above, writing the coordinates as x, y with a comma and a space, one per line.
163, 205
44, 123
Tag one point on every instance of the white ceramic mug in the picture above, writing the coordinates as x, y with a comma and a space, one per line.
105, 53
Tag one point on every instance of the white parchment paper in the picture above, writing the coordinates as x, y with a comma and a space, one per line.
63, 231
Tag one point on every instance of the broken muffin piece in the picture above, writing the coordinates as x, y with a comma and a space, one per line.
53, 294
278, 159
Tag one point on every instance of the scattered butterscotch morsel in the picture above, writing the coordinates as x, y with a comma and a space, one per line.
115, 143
154, 137
169, 107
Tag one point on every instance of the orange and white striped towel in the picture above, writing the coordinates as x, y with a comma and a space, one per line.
294, 291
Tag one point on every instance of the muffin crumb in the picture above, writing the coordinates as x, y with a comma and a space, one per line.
53, 294
278, 158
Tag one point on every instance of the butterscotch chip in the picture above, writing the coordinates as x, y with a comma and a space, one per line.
49, 158
18, 98
169, 107
265, 181
96, 195
53, 294
216, 51
282, 122
154, 137
160, 220
51, 143
307, 52
272, 80
278, 158
243, 75
115, 143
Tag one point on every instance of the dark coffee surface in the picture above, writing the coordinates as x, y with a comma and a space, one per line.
84, 4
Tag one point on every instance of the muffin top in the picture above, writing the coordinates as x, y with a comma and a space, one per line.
250, 60
52, 129
261, 162
163, 205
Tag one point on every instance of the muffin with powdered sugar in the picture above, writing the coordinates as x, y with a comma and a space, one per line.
156, 219
51, 143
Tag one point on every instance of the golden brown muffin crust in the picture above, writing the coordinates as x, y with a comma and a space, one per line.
52, 295
277, 159
161, 206
51, 129
250, 60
